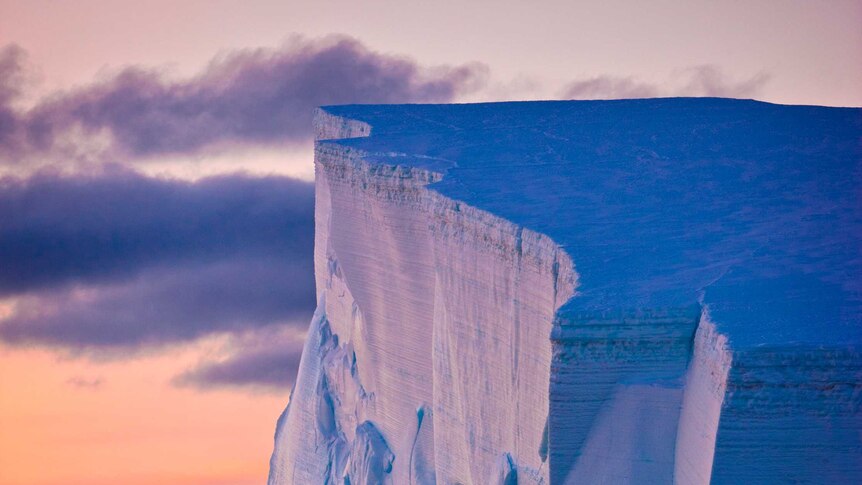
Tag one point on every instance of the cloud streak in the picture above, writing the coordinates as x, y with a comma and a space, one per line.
166, 305
705, 80
11, 81
268, 363
251, 97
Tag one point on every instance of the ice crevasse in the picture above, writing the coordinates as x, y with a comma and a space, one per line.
577, 292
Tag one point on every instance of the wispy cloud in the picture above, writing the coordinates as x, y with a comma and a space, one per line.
705, 80
260, 96
80, 382
267, 361
166, 305
609, 87
11, 81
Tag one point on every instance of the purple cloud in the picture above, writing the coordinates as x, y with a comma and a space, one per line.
261, 96
56, 229
122, 261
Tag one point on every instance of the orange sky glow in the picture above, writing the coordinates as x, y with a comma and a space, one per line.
126, 423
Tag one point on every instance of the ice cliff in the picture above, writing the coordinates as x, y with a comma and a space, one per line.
641, 291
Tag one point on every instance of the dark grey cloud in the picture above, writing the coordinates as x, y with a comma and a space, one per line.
269, 365
89, 228
122, 261
261, 96
705, 80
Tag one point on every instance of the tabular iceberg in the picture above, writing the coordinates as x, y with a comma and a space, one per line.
639, 291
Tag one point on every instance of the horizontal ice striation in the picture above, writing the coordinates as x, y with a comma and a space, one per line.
616, 394
710, 333
802, 407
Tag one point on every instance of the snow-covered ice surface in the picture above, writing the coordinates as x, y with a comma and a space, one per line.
638, 291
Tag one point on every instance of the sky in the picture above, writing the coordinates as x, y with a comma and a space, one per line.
156, 196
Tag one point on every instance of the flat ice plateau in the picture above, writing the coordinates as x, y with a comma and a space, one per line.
643, 291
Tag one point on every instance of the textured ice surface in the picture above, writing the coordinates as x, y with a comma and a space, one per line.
640, 291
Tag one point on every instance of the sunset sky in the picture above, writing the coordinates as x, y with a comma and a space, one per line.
156, 197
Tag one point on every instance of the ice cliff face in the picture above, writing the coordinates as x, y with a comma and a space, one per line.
407, 358
521, 293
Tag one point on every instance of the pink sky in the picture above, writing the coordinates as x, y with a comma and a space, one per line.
123, 423
74, 420
811, 51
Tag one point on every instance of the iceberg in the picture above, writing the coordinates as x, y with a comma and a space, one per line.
577, 292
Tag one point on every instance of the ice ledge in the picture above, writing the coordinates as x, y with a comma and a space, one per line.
332, 127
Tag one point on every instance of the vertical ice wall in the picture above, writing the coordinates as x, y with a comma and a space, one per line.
428, 359
616, 393
705, 387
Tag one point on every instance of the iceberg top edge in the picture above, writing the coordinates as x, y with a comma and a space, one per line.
751, 209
